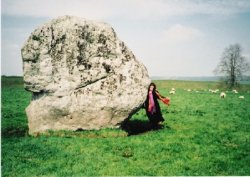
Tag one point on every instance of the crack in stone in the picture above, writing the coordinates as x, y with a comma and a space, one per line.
91, 82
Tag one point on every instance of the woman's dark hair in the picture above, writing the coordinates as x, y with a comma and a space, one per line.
152, 84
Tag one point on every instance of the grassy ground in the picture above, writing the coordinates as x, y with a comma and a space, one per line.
202, 135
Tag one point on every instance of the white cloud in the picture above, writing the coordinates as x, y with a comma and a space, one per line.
176, 51
247, 55
179, 33
131, 9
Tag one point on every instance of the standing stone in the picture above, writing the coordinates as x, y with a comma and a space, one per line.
81, 76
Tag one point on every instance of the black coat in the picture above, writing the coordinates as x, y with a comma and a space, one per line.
157, 115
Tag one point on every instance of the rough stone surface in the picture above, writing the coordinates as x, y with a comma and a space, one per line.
81, 76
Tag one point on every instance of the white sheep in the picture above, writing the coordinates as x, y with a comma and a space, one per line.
241, 97
172, 92
222, 94
214, 91
235, 91
173, 89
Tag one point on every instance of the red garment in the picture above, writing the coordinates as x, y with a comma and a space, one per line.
166, 101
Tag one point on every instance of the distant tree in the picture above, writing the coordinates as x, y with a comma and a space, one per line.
232, 65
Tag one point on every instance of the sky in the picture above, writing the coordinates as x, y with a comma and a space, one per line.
170, 37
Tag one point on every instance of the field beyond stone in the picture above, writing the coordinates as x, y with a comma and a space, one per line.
202, 135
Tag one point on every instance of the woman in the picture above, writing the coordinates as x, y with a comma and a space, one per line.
152, 106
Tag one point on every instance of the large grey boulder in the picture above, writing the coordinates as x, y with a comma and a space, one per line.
81, 76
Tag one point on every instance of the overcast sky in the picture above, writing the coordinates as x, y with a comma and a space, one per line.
171, 37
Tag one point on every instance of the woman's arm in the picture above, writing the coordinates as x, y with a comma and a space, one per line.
165, 100
159, 95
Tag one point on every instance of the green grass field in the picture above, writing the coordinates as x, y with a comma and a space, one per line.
202, 135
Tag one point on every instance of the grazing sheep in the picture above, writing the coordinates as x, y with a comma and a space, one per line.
214, 91
222, 94
189, 90
172, 92
173, 89
241, 97
235, 91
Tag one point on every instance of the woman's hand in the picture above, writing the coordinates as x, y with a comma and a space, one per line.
166, 101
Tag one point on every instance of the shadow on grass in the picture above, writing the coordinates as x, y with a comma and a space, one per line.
15, 132
135, 127
131, 127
